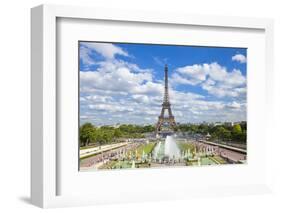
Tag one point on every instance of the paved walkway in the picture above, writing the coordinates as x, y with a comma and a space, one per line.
226, 153
225, 146
99, 149
94, 162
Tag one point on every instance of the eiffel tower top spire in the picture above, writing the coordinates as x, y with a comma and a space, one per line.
166, 92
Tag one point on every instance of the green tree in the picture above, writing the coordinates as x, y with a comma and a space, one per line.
220, 132
117, 133
226, 135
243, 136
107, 136
237, 132
203, 128
86, 133
194, 128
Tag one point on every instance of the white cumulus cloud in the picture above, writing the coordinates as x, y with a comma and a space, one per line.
213, 78
107, 50
240, 58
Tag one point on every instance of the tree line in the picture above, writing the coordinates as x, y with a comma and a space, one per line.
90, 134
224, 132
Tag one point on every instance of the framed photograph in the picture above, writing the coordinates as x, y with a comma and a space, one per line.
131, 106
126, 117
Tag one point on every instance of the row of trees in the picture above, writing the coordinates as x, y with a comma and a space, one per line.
236, 133
89, 134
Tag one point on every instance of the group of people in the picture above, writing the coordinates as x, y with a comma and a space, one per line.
114, 154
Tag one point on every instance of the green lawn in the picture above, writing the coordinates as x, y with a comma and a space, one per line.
208, 161
146, 148
185, 146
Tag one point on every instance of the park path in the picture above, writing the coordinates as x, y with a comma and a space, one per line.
99, 149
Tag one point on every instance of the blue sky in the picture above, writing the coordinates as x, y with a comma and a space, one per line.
123, 83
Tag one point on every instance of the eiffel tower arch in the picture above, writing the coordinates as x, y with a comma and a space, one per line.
166, 124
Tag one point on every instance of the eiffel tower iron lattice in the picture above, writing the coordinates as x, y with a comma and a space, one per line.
166, 106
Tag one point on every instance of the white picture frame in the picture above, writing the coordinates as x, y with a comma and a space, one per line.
45, 171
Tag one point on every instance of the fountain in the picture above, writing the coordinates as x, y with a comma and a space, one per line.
158, 152
199, 161
167, 151
171, 148
133, 164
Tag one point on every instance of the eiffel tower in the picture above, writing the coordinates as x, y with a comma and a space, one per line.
162, 120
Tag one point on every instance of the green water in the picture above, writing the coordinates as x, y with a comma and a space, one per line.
204, 161
123, 164
207, 161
